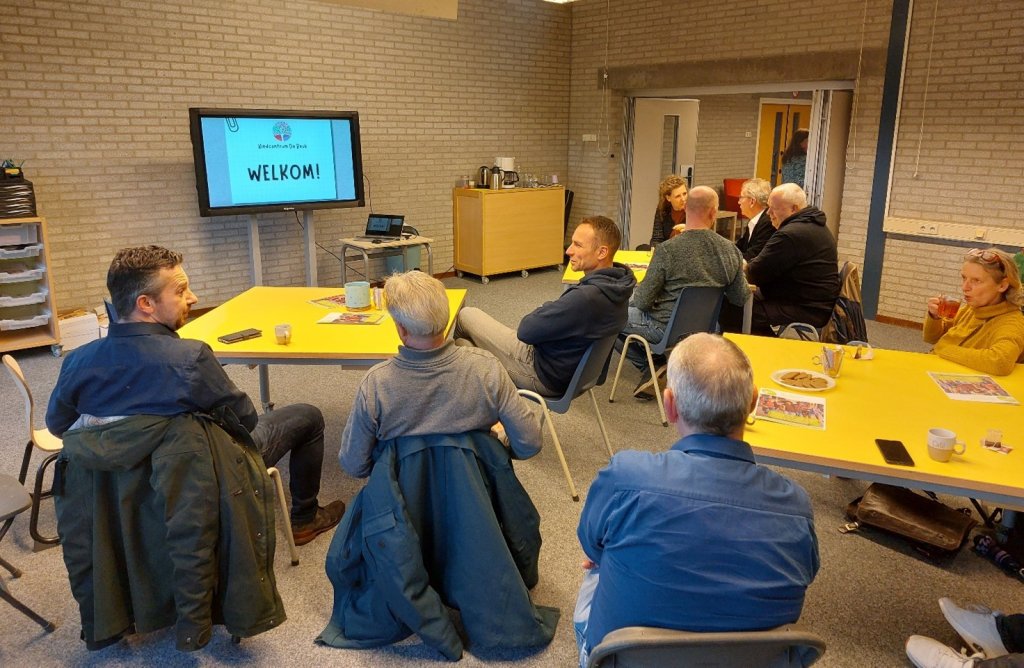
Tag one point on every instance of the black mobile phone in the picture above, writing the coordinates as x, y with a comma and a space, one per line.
894, 452
235, 337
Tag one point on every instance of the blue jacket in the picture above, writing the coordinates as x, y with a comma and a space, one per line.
442, 521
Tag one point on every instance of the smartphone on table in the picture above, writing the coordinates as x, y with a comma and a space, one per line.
243, 335
894, 452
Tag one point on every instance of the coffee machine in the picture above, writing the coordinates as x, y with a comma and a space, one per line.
509, 176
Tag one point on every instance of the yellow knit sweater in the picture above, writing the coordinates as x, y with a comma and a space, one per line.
989, 339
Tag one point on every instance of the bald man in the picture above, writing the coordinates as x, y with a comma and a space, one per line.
696, 257
797, 271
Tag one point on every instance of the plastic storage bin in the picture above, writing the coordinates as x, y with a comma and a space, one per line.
17, 252
19, 235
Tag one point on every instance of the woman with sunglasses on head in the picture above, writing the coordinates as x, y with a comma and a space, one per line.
987, 332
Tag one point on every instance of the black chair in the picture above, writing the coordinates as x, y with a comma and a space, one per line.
14, 500
696, 310
591, 371
646, 647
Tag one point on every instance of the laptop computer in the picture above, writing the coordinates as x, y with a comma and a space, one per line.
383, 227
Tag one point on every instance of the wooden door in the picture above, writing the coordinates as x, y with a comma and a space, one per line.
775, 128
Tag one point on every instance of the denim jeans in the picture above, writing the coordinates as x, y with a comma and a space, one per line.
581, 615
481, 330
644, 325
298, 429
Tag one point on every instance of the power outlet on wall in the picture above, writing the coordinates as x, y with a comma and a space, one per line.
928, 228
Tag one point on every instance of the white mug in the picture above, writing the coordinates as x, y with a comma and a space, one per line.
942, 444
357, 295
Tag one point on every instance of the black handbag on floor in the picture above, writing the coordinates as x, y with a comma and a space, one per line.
932, 527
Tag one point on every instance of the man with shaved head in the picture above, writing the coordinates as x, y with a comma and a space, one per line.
797, 271
699, 537
696, 257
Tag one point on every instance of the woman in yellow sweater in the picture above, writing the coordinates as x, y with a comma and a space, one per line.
987, 333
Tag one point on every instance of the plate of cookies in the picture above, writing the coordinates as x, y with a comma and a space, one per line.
803, 380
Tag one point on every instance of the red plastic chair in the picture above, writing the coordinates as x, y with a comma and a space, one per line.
731, 189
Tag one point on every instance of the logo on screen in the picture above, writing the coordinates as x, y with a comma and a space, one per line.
282, 131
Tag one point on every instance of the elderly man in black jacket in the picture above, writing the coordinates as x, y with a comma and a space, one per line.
796, 273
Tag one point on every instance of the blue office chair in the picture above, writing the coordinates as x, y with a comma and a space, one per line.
696, 310
636, 646
590, 372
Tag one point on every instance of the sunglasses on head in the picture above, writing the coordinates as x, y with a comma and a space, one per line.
986, 256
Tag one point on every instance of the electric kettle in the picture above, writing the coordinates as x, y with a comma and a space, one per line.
485, 177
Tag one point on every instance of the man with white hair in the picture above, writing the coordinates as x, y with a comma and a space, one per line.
700, 537
797, 271
432, 386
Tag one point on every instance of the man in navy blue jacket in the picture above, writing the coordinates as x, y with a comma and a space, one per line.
543, 354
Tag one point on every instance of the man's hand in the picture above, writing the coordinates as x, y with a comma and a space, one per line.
498, 432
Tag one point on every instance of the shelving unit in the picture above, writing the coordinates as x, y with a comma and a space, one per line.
28, 314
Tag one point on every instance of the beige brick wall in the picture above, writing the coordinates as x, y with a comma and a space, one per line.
973, 139
723, 152
95, 97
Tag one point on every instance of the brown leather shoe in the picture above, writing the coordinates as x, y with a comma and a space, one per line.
326, 519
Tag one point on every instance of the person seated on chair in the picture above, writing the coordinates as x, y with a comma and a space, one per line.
797, 272
699, 256
987, 332
700, 537
670, 214
995, 640
143, 368
432, 386
542, 355
759, 229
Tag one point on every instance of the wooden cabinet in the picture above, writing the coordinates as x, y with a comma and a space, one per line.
28, 314
514, 229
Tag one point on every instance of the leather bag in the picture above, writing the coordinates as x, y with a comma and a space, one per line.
933, 527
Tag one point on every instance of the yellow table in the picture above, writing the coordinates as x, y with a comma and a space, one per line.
636, 260
312, 343
891, 396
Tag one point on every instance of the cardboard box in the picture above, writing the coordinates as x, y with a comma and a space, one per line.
78, 330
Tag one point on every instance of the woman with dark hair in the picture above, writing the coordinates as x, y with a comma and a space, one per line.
794, 158
987, 331
671, 209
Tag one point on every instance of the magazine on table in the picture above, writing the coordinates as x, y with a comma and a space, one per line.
798, 410
972, 387
334, 301
372, 318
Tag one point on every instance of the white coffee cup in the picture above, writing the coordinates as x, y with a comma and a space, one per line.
357, 295
942, 444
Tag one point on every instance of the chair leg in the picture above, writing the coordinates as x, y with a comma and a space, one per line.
654, 380
604, 432
275, 476
554, 437
6, 595
622, 358
23, 474
11, 568
37, 496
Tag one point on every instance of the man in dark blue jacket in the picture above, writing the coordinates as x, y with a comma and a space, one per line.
144, 368
543, 354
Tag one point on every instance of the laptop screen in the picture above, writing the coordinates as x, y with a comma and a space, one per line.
384, 225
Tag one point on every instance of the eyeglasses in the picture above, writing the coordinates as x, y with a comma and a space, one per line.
987, 256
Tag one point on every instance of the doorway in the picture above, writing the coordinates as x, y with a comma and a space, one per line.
777, 122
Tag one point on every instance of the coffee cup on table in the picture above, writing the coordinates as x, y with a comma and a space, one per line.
942, 444
357, 295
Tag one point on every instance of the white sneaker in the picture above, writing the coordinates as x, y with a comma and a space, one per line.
927, 653
976, 625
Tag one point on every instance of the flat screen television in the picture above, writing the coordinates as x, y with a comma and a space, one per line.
265, 160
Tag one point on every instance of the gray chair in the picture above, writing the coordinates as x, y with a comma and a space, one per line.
40, 439
590, 372
645, 647
696, 310
14, 500
801, 331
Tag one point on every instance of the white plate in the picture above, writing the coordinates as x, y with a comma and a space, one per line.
829, 382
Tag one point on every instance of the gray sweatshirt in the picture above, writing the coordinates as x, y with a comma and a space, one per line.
447, 390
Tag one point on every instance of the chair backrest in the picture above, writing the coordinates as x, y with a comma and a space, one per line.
637, 646
19, 379
590, 372
696, 310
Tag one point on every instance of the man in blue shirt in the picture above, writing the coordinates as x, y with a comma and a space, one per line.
143, 368
698, 538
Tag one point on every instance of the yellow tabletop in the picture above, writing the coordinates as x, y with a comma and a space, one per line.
264, 307
891, 396
635, 260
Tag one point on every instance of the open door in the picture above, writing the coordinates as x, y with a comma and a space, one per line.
778, 121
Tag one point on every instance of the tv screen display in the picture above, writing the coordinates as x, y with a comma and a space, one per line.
260, 160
